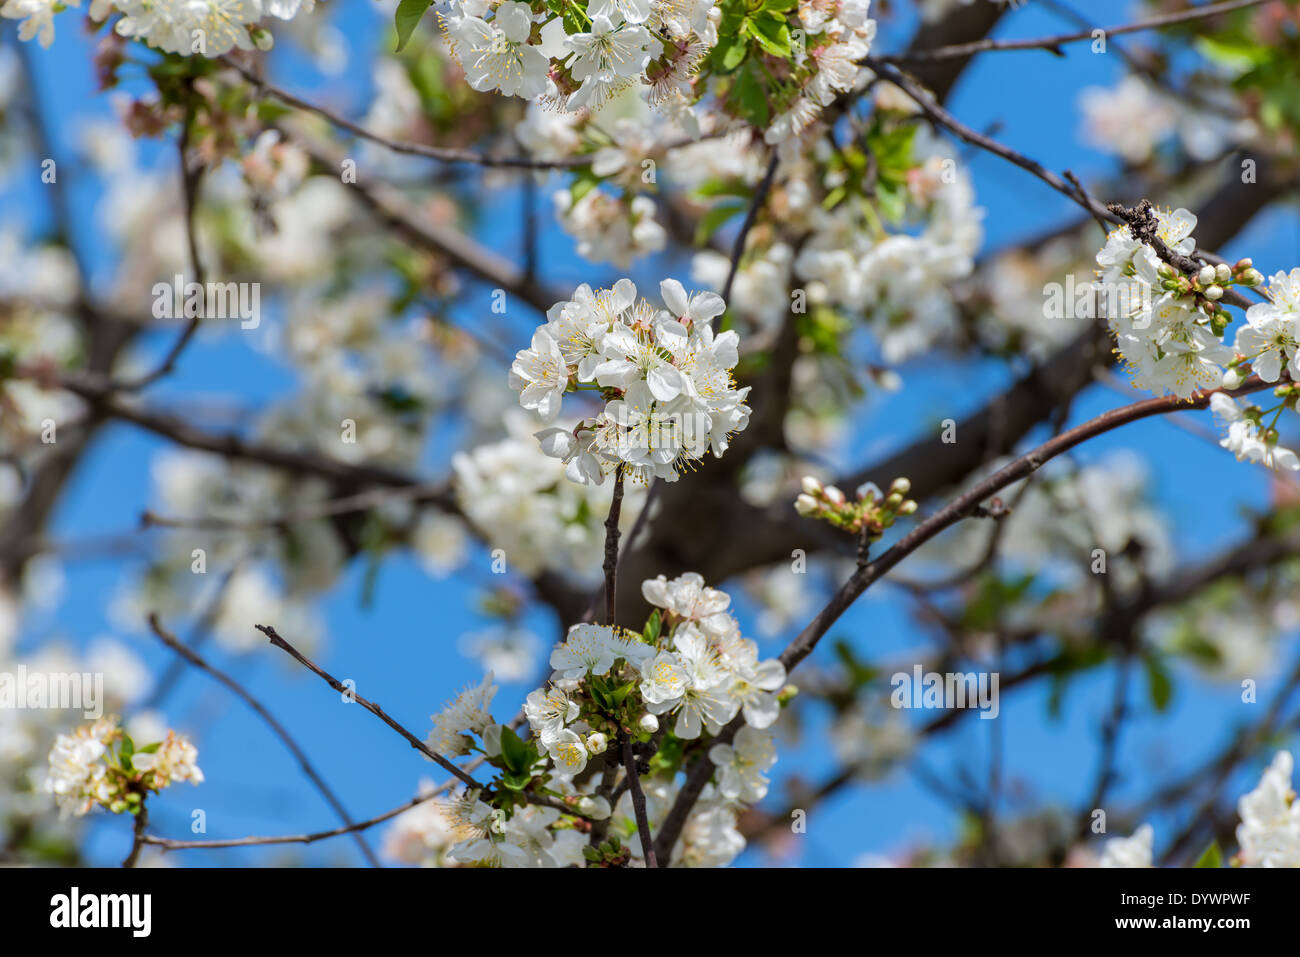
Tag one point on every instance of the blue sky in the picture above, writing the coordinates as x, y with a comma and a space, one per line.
402, 651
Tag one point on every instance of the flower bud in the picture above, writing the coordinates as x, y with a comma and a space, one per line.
1206, 275
834, 495
1222, 272
806, 505
1214, 293
597, 742
648, 723
901, 485
1243, 263
1232, 378
868, 490
907, 508
893, 501
1251, 277
811, 485
262, 38
1165, 271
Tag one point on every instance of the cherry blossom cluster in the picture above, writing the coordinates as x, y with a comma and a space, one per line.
98, 764
869, 514
1268, 835
1169, 330
580, 57
206, 28
688, 674
664, 376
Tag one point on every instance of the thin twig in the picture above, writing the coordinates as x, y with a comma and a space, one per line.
191, 656
1053, 43
370, 706
738, 247
138, 838
168, 844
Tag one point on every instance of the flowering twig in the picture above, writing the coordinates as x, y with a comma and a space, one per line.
281, 732
961, 507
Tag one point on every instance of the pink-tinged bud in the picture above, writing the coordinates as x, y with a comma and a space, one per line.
835, 496
1244, 263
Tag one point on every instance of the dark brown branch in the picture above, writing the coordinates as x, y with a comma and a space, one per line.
611, 550
638, 803
138, 838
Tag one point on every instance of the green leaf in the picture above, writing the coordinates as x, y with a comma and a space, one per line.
734, 54
749, 96
583, 183
711, 221
770, 32
516, 780
619, 695
513, 751
409, 14
1211, 857
1159, 685
652, 627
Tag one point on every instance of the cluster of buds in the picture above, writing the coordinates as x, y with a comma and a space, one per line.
1209, 284
869, 514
